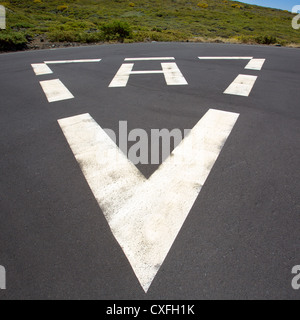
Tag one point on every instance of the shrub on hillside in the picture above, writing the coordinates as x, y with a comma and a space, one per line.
266, 40
116, 30
202, 5
62, 8
236, 6
12, 40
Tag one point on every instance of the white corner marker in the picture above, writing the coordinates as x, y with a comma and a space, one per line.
41, 69
146, 215
255, 64
55, 90
242, 85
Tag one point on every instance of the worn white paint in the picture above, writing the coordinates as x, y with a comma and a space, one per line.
150, 59
146, 216
242, 85
173, 75
41, 69
55, 90
122, 76
255, 64
72, 61
225, 58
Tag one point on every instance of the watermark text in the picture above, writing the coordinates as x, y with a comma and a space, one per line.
2, 278
295, 21
143, 148
296, 279
2, 17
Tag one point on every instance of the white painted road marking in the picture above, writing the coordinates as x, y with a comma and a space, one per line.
72, 61
242, 85
55, 90
146, 216
41, 69
173, 75
225, 58
255, 64
122, 76
150, 59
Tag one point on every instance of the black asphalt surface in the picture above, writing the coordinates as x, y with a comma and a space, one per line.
242, 236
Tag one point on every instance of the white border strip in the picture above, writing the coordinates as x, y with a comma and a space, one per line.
225, 58
41, 69
72, 61
255, 64
149, 59
242, 85
55, 90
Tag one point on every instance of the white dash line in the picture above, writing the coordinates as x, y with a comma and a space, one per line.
55, 90
149, 59
255, 64
241, 86
41, 69
225, 58
72, 61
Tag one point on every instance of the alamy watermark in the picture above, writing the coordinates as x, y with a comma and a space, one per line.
296, 279
2, 17
2, 278
143, 148
295, 21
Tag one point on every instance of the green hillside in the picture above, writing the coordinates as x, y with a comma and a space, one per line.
37, 23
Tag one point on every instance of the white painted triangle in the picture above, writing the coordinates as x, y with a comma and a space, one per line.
146, 215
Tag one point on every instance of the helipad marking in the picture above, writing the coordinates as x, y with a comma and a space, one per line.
55, 90
173, 75
254, 64
146, 216
242, 85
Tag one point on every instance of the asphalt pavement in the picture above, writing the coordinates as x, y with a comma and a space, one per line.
241, 237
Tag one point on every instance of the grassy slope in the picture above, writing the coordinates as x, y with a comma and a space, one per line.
161, 20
